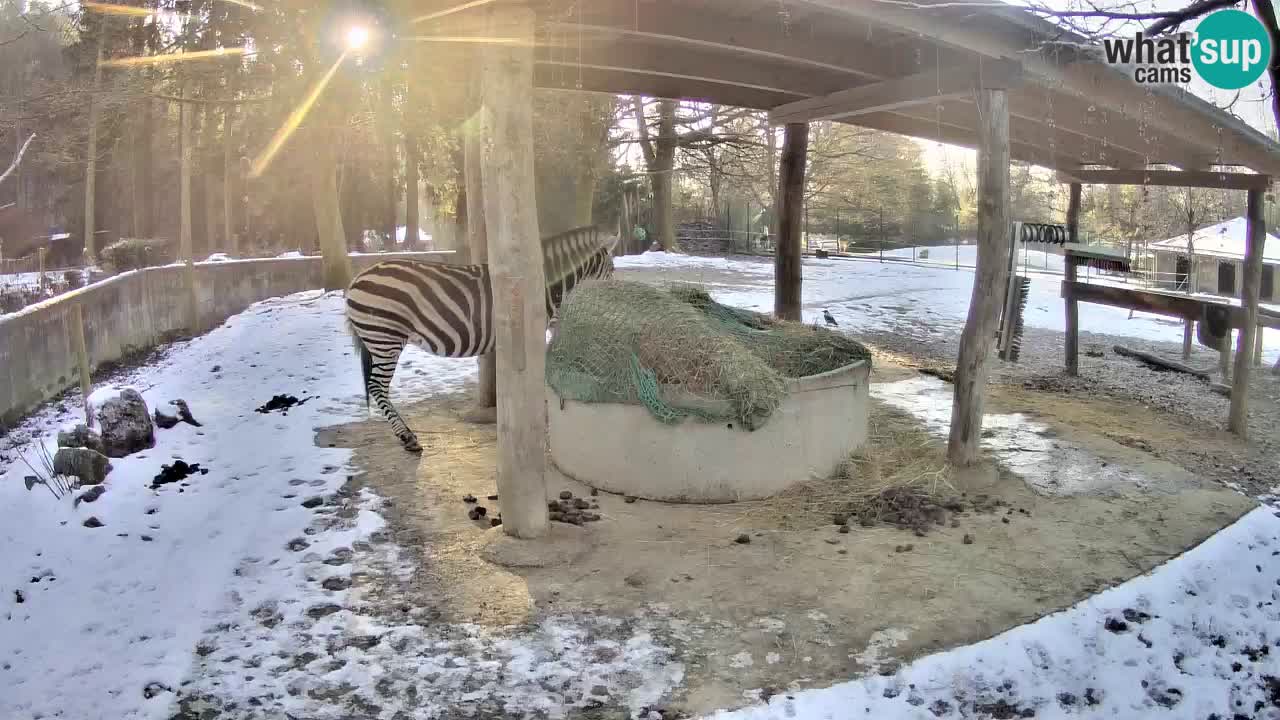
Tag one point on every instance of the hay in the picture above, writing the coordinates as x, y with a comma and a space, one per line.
900, 477
683, 355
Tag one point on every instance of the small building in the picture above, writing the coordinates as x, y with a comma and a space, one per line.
1214, 264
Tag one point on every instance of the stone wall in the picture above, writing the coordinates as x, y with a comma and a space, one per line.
137, 310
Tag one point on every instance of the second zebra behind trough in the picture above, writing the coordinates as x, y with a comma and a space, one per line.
448, 309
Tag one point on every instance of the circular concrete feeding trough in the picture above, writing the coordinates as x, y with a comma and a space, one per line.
621, 448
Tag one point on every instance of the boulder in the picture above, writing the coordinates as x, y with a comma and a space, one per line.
81, 436
90, 466
126, 424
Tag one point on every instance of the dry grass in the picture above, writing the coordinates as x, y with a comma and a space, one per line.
901, 465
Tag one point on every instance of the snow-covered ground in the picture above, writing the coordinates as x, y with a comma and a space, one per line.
107, 611
108, 621
1198, 638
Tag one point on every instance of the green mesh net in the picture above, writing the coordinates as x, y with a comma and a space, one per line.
683, 355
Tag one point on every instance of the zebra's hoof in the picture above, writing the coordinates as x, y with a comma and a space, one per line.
411, 444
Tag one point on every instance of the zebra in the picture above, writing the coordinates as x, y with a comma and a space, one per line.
448, 309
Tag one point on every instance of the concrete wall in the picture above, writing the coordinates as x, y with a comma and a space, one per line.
135, 311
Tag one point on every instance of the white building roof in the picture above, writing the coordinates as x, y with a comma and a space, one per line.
1224, 240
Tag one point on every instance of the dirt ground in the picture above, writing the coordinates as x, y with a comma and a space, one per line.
800, 604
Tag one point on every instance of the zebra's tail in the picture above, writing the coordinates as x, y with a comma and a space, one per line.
366, 361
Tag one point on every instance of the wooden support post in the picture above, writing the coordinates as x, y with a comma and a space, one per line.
1188, 331
787, 267
989, 277
478, 242
515, 266
1073, 308
82, 358
1257, 347
1238, 419
40, 253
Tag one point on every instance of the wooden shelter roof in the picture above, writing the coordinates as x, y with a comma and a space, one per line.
908, 68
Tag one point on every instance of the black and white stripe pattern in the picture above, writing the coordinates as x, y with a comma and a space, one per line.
448, 309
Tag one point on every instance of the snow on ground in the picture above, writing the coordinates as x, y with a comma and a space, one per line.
1198, 638
870, 296
1027, 448
108, 610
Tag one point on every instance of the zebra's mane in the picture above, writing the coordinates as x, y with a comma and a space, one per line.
563, 253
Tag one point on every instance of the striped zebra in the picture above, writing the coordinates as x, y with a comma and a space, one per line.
448, 309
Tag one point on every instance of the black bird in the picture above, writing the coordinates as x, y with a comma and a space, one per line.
826, 315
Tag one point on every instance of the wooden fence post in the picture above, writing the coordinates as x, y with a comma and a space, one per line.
963, 445
82, 358
40, 263
1069, 275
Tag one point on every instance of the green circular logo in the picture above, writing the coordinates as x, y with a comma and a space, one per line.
1231, 49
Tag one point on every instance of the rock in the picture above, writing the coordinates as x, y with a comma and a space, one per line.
90, 495
164, 422
126, 425
566, 495
968, 539
90, 466
844, 530
468, 498
581, 504
93, 522
81, 436
743, 539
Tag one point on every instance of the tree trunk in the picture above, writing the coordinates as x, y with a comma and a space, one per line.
664, 177
992, 270
477, 236
328, 217
184, 210
771, 141
520, 315
1238, 419
209, 179
411, 186
91, 165
389, 148
228, 185
788, 265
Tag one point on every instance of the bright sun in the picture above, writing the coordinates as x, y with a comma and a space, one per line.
357, 37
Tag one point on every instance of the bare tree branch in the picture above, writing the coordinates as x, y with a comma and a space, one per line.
1190, 12
18, 159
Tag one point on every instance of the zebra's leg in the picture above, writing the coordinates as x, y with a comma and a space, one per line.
383, 356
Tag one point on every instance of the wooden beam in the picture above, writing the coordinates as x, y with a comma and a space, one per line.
1175, 113
515, 267
1172, 178
1184, 307
928, 86
1238, 417
787, 259
963, 446
1072, 309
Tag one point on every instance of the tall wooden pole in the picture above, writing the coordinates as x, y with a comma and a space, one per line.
787, 267
989, 277
1073, 309
1238, 419
515, 266
478, 241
